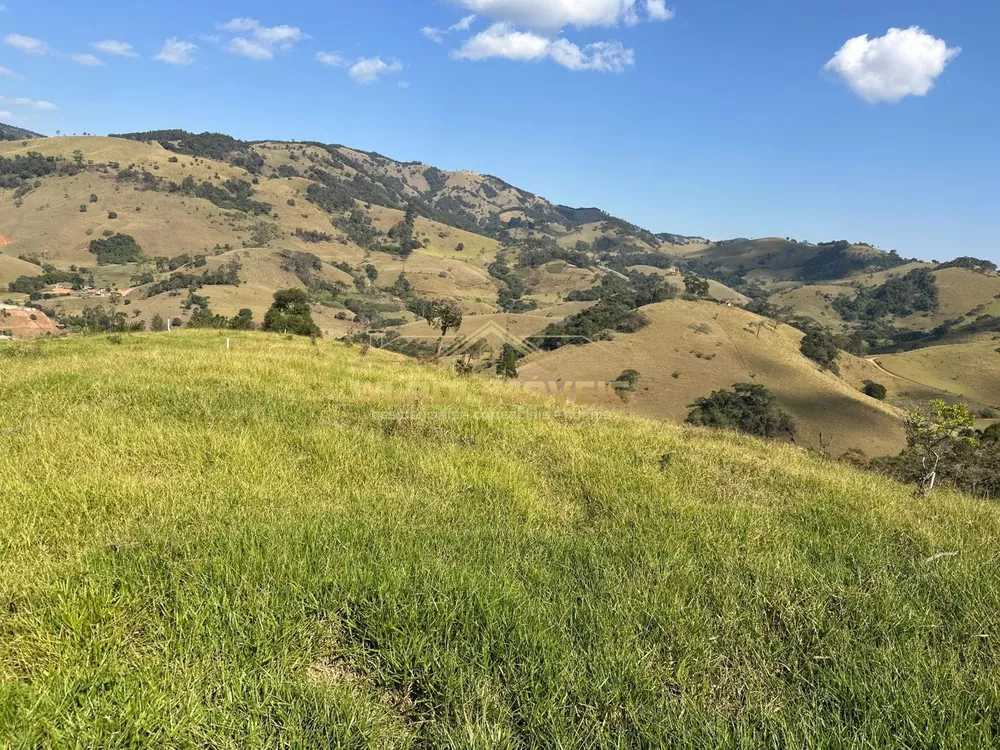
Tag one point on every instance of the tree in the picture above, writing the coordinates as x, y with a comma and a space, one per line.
748, 408
507, 366
371, 272
874, 390
695, 286
626, 383
821, 346
242, 321
157, 323
290, 312
933, 436
445, 314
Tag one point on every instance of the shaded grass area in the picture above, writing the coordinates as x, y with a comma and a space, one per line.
289, 545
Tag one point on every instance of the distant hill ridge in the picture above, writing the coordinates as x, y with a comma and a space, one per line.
12, 133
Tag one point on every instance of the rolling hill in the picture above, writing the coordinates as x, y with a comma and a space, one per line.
281, 543
221, 224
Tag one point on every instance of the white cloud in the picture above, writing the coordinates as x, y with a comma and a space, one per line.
114, 47
403, 84
87, 59
263, 40
248, 48
435, 35
21, 101
657, 10
7, 115
332, 59
605, 57
552, 15
370, 69
176, 52
464, 24
503, 40
26, 44
904, 62
8, 73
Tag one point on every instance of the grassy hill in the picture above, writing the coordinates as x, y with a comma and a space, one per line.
282, 544
326, 218
692, 348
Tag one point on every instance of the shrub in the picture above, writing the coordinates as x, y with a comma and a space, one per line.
748, 408
112, 215
874, 390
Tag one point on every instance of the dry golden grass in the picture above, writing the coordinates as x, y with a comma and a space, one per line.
12, 267
970, 370
731, 352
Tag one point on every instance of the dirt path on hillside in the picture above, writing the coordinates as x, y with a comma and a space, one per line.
874, 361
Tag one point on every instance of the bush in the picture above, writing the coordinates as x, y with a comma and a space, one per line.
112, 215
748, 408
821, 347
119, 248
874, 390
290, 312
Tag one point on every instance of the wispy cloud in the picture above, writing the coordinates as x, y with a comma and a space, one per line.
26, 44
87, 60
33, 104
114, 47
437, 35
259, 42
8, 73
367, 70
332, 59
176, 52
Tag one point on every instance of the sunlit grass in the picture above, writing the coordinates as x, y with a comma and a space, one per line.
299, 546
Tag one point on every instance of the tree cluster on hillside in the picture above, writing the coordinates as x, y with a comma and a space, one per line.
914, 292
116, 249
225, 275
835, 261
973, 264
98, 320
217, 146
943, 447
615, 312
512, 288
33, 285
537, 251
749, 408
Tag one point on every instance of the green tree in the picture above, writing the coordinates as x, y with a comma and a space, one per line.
748, 408
290, 312
507, 366
446, 314
157, 323
695, 286
242, 321
821, 347
933, 437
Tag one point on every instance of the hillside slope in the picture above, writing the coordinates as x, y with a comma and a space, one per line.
305, 546
692, 348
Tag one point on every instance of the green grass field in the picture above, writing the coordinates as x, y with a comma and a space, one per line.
287, 545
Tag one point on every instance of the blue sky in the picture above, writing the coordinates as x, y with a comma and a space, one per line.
722, 118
